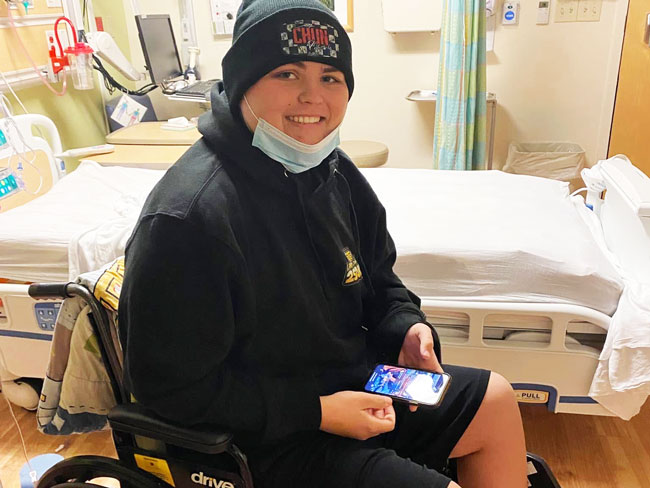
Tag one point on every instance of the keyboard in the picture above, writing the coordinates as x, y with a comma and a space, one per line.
199, 89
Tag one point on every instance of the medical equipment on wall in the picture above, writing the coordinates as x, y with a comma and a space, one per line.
28, 56
78, 58
189, 38
223, 14
106, 50
543, 12
510, 13
104, 45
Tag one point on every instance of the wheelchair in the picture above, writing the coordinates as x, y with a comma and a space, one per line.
152, 452
155, 453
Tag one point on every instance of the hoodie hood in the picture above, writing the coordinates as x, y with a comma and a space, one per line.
232, 140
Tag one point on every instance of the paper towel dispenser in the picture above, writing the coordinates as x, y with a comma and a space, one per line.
412, 15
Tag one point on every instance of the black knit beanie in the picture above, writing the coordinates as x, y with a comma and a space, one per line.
270, 33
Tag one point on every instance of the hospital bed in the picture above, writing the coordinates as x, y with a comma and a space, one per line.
523, 279
38, 242
517, 276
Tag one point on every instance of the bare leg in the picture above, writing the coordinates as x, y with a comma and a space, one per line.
492, 451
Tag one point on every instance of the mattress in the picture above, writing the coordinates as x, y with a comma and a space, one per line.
38, 239
486, 235
493, 236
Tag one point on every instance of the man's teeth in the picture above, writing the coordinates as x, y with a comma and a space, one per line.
304, 120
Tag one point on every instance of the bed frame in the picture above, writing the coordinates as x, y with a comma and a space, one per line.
543, 360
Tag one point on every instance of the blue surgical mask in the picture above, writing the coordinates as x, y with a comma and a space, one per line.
294, 155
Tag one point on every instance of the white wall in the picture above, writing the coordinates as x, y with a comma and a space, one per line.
555, 82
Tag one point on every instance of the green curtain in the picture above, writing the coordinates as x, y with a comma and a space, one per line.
460, 132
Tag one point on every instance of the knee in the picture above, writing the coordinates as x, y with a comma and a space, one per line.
499, 391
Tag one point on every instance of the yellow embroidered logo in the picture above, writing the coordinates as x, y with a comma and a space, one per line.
353, 271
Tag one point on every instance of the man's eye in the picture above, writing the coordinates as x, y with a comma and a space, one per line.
330, 79
286, 75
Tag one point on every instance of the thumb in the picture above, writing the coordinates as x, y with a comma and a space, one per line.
378, 401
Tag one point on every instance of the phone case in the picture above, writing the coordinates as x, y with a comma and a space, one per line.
409, 401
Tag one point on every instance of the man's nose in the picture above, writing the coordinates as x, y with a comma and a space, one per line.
311, 92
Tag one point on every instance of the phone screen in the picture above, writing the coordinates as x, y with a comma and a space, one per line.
414, 385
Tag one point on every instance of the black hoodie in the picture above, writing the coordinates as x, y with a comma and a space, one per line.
250, 292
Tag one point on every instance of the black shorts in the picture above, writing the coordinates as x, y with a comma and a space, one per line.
413, 455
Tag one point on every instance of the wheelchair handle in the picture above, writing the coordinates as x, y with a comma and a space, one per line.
43, 291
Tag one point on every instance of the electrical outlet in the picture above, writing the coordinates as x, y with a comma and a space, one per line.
589, 10
54, 3
566, 11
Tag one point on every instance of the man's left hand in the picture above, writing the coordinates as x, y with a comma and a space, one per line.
417, 351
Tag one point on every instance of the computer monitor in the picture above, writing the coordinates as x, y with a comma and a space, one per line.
159, 47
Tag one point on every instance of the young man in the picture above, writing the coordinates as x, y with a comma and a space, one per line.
259, 287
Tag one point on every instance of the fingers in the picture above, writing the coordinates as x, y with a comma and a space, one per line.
389, 414
381, 420
383, 413
357, 415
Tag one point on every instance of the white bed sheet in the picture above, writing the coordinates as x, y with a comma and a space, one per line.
509, 238
39, 239
493, 236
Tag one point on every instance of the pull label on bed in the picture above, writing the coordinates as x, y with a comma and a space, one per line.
531, 396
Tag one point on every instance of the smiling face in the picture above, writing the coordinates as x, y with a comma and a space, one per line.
305, 100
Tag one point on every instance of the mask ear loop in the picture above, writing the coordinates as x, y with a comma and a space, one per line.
249, 108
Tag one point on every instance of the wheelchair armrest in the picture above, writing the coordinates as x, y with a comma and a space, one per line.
135, 419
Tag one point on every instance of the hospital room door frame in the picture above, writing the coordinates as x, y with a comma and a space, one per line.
631, 123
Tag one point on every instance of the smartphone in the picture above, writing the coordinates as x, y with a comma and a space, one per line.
414, 386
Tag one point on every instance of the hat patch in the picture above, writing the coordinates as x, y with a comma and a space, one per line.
310, 38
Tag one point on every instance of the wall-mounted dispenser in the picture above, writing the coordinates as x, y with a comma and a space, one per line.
412, 15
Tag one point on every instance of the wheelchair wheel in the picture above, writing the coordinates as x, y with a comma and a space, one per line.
76, 471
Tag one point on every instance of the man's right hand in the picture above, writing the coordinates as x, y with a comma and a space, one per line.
357, 415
